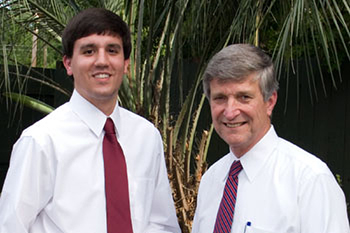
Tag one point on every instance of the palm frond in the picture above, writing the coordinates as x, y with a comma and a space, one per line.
30, 102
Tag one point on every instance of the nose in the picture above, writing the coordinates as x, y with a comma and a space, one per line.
101, 59
232, 109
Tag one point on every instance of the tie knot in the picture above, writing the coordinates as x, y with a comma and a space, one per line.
236, 168
109, 126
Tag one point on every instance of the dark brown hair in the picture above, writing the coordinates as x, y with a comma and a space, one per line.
95, 21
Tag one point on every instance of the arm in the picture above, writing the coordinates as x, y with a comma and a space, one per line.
207, 203
26, 189
195, 223
322, 206
163, 216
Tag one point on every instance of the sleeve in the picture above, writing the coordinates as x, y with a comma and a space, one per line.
323, 206
195, 223
163, 217
27, 187
206, 208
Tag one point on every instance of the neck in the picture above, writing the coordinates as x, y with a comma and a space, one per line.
106, 107
242, 150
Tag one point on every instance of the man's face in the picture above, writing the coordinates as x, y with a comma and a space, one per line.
98, 67
240, 115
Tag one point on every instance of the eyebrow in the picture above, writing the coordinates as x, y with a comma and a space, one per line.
238, 93
84, 46
92, 45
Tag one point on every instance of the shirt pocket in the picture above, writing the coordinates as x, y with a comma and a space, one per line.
141, 193
241, 226
252, 229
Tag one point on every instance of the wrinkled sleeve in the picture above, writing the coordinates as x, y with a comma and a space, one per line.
163, 215
323, 206
27, 187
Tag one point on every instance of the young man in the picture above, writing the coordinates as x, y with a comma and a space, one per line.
265, 184
60, 179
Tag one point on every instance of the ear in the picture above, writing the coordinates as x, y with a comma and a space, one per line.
270, 103
126, 65
67, 64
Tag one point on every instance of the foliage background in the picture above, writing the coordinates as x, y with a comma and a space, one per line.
168, 35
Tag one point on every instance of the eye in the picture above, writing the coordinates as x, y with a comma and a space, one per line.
113, 50
245, 98
218, 98
88, 51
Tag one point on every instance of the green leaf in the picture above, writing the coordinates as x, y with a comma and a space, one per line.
30, 102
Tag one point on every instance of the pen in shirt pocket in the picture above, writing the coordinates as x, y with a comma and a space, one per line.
248, 224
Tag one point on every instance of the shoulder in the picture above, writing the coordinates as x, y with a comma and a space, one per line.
301, 161
133, 117
37, 140
220, 163
136, 122
138, 134
217, 169
50, 124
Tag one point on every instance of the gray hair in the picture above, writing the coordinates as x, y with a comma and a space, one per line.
236, 62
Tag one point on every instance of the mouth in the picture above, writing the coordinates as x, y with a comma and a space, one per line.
101, 76
234, 125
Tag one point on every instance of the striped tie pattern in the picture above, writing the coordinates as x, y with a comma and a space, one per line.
227, 206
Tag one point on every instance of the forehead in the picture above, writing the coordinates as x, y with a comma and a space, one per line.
248, 82
99, 40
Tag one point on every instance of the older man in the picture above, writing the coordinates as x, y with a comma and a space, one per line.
264, 184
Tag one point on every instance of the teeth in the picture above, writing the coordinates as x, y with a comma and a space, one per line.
234, 125
101, 76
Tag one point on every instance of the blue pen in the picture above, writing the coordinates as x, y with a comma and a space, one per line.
247, 225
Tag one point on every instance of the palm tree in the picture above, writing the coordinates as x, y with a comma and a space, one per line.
167, 34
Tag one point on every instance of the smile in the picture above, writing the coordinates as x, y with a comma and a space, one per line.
233, 125
101, 76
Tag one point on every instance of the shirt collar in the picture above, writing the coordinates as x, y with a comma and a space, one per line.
224, 170
254, 160
116, 119
92, 116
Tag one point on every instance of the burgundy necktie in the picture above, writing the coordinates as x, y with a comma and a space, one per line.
224, 217
116, 183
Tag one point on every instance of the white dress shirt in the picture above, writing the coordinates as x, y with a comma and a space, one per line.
55, 182
281, 189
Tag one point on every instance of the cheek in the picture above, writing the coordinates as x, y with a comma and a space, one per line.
214, 113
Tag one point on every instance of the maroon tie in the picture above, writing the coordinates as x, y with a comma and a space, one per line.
116, 183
